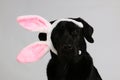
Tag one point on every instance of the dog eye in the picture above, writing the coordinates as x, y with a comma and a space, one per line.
75, 32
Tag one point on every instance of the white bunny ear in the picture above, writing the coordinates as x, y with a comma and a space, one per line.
34, 23
33, 52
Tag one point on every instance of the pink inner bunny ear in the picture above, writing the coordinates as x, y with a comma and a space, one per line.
33, 52
33, 23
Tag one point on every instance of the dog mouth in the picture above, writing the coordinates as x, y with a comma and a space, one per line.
67, 53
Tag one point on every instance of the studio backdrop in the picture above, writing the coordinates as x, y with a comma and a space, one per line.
103, 15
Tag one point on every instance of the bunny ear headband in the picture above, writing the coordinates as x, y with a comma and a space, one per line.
37, 50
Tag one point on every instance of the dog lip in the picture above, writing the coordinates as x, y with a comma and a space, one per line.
68, 52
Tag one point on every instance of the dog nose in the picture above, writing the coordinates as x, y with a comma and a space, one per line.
68, 46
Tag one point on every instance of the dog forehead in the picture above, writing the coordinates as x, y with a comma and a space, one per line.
65, 26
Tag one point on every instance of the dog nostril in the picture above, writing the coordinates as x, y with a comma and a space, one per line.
67, 46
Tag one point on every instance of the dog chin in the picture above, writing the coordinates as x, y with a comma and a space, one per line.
68, 57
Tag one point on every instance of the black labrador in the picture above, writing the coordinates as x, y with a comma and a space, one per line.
72, 61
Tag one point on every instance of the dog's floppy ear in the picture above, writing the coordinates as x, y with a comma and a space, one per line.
42, 36
87, 30
52, 21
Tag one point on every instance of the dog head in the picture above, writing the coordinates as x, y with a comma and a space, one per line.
68, 38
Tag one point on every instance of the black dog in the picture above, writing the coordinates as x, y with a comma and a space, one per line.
72, 61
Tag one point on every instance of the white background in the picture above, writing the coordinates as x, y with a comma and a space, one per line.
103, 15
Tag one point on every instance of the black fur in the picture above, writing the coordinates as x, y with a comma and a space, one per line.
68, 39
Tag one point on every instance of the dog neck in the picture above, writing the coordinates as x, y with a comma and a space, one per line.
75, 60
